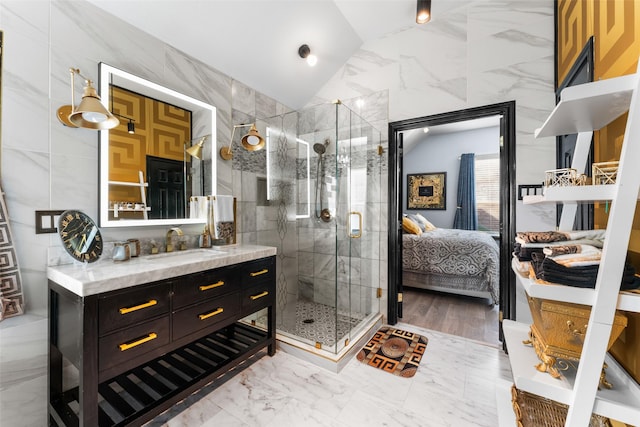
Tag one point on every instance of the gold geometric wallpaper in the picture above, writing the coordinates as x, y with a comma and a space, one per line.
615, 25
574, 27
161, 130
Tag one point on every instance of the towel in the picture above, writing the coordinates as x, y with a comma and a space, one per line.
582, 255
223, 216
223, 208
525, 237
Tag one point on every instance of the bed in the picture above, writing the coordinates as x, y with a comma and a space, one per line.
456, 261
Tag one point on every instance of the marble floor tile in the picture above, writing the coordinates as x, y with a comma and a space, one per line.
23, 371
454, 386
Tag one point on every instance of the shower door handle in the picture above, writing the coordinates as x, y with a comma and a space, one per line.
352, 232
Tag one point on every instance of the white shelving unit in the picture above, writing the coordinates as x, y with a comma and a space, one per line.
583, 109
143, 196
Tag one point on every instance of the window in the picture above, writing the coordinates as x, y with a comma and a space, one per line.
488, 191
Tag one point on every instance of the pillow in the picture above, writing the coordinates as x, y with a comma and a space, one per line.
417, 220
427, 225
410, 226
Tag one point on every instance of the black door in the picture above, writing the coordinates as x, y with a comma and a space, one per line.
166, 188
507, 200
581, 72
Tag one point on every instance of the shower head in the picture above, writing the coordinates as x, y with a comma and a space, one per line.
321, 148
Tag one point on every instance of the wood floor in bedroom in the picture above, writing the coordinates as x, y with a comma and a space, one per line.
463, 316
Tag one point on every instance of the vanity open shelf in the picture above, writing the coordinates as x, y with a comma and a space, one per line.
127, 342
170, 377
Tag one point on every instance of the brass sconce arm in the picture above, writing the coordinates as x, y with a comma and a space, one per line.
90, 113
252, 141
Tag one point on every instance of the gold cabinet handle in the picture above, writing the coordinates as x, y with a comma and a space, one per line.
128, 345
260, 295
126, 310
213, 313
258, 273
211, 286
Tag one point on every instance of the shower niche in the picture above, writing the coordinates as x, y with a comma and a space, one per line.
323, 209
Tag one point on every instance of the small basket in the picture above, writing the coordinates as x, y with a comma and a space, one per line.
532, 410
604, 172
563, 178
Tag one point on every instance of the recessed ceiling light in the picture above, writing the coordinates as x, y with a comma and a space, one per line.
305, 52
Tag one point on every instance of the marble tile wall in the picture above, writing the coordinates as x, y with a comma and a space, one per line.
48, 166
477, 53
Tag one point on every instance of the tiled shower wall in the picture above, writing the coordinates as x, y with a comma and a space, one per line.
306, 261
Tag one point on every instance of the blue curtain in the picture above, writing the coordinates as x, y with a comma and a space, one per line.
466, 215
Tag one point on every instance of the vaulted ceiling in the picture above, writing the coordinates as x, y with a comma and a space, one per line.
257, 41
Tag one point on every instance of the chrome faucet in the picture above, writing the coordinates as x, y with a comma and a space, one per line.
170, 232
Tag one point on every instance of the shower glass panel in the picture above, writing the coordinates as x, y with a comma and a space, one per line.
323, 214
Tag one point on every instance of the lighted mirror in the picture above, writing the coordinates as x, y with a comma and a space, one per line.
151, 168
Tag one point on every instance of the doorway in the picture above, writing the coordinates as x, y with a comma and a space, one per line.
506, 112
166, 188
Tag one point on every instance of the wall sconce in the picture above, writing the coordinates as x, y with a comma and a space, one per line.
90, 113
305, 53
423, 15
196, 149
252, 141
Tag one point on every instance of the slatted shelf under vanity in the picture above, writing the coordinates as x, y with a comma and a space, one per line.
130, 395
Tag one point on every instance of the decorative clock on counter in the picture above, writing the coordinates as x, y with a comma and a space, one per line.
80, 236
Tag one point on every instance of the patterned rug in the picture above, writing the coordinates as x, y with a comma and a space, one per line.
394, 350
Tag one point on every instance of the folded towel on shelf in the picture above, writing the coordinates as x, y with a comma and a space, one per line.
545, 270
558, 236
523, 251
523, 237
582, 255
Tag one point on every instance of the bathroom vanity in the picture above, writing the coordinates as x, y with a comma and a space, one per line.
147, 333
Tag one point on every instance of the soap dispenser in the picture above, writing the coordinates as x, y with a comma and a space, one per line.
205, 238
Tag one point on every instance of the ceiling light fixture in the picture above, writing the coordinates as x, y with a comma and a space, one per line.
305, 53
131, 127
252, 141
423, 15
90, 113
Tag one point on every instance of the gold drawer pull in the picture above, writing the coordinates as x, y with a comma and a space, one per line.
255, 297
213, 313
127, 346
213, 285
258, 273
138, 307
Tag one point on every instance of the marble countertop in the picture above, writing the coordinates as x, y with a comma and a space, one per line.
106, 275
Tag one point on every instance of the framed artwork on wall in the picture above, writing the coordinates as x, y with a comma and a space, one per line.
427, 191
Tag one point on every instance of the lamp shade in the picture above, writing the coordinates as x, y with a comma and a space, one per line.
252, 141
91, 114
196, 149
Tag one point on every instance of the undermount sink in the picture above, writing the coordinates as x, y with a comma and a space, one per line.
190, 253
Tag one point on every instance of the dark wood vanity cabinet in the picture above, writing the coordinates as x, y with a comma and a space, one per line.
142, 349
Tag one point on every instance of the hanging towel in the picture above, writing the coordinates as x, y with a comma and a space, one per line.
224, 225
223, 208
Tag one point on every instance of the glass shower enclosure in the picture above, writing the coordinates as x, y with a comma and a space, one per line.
320, 205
